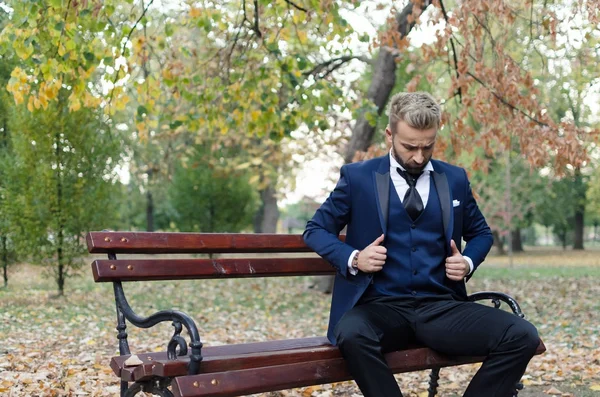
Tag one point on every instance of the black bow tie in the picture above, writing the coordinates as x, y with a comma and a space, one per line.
412, 200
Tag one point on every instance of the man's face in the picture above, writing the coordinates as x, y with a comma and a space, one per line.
411, 147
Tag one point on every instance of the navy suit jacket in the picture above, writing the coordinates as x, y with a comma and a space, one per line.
360, 201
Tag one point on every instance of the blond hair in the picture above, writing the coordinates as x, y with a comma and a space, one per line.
418, 109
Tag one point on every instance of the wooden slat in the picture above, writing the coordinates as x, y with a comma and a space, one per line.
117, 363
155, 243
181, 269
279, 377
149, 359
168, 368
251, 357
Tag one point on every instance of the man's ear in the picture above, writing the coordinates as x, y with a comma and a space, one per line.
388, 135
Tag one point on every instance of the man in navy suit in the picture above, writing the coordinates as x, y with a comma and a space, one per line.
400, 272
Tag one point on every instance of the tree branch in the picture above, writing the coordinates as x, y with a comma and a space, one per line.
453, 50
123, 49
135, 26
506, 103
62, 31
335, 63
256, 28
296, 6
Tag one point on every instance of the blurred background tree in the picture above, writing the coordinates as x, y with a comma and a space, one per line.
198, 116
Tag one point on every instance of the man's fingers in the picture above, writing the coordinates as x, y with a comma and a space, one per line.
379, 249
455, 265
454, 259
374, 268
377, 241
378, 257
454, 278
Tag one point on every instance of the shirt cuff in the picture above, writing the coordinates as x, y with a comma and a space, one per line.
470, 262
351, 269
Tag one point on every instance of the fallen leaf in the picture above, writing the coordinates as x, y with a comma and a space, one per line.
133, 361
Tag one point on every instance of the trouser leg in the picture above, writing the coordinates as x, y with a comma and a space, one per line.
363, 335
467, 328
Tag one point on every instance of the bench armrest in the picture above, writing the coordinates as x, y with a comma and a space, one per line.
179, 319
497, 298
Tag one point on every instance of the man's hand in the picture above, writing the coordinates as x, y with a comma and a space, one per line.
372, 258
457, 267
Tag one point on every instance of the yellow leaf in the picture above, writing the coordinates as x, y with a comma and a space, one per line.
595, 387
23, 51
30, 104
253, 179
302, 36
74, 104
195, 12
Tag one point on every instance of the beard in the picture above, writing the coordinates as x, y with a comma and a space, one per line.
408, 168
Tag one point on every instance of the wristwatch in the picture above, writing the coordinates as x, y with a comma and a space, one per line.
355, 260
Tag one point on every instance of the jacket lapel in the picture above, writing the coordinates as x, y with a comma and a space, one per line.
441, 185
382, 191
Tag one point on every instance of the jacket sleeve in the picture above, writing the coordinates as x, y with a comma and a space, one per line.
323, 229
476, 231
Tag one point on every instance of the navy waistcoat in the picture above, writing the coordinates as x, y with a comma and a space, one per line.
416, 251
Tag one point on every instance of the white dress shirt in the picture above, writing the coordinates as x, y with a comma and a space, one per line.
423, 184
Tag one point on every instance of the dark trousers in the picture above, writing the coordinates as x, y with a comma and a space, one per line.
377, 325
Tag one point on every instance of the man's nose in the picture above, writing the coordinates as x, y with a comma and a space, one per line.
419, 158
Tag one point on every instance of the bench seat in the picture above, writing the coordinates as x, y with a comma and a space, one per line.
233, 370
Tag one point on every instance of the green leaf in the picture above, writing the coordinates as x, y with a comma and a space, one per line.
168, 30
89, 56
175, 124
141, 111
56, 3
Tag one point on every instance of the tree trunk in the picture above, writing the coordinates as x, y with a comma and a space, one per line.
516, 241
579, 227
60, 277
4, 260
61, 268
579, 202
382, 84
498, 243
149, 211
265, 220
563, 239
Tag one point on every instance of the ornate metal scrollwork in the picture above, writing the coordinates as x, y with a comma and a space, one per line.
175, 342
497, 298
179, 319
156, 386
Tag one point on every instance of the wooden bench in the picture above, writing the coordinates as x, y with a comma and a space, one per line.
188, 368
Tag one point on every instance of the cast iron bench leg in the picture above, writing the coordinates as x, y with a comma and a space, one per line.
157, 387
433, 382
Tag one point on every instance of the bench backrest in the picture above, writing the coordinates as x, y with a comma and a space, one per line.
124, 269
